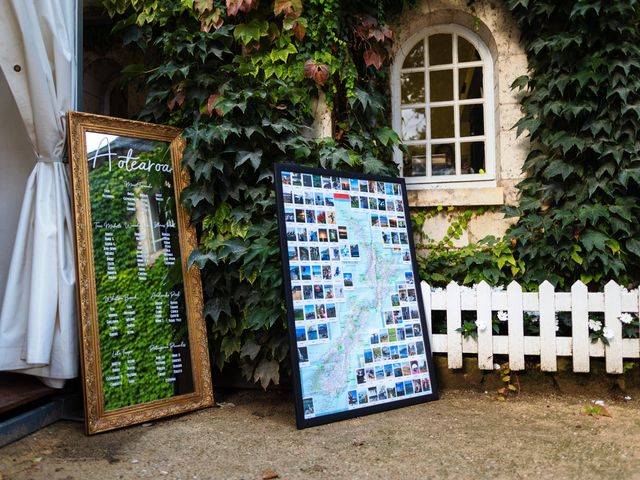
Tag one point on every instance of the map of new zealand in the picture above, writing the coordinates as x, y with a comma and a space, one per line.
358, 332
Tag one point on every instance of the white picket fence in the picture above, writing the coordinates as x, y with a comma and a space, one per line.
483, 300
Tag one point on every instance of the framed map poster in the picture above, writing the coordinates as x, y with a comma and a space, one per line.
354, 306
143, 340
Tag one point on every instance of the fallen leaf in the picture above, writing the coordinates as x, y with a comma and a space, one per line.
269, 474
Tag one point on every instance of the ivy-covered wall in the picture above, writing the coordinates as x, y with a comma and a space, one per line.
240, 78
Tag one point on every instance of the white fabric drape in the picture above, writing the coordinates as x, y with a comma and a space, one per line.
38, 316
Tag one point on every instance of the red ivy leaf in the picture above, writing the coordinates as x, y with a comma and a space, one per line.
318, 72
235, 6
299, 30
202, 6
178, 99
211, 19
211, 101
290, 8
373, 57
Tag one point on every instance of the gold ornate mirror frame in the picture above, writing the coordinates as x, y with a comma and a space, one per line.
130, 376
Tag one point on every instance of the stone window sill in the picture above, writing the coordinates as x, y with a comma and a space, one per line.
456, 197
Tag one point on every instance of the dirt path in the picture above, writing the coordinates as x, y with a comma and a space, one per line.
253, 436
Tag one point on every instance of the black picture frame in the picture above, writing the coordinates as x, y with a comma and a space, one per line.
301, 421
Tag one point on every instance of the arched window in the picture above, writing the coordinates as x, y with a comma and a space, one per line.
443, 107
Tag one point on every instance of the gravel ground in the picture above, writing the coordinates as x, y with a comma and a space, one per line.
252, 435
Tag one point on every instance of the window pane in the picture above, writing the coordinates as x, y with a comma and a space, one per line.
470, 82
472, 157
442, 122
415, 161
441, 85
466, 51
414, 124
440, 46
412, 87
471, 120
443, 159
415, 57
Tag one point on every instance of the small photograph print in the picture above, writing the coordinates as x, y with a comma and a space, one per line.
404, 239
373, 394
414, 312
312, 333
321, 311
298, 313
400, 334
352, 398
310, 312
388, 188
362, 397
319, 199
384, 222
388, 370
382, 205
392, 335
323, 235
388, 317
384, 336
338, 291
293, 254
307, 407
328, 291
412, 349
397, 370
391, 392
342, 232
354, 184
296, 293
426, 385
419, 348
379, 372
375, 221
382, 393
333, 235
395, 238
422, 365
303, 355
364, 186
317, 181
335, 254
391, 206
313, 235
311, 216
406, 256
307, 181
406, 369
305, 272
321, 217
401, 223
369, 374
403, 351
344, 184
348, 279
386, 238
331, 218
374, 338
328, 201
355, 251
301, 334
408, 277
298, 198
323, 331
400, 389
324, 255
396, 189
287, 197
417, 329
286, 178
296, 179
397, 318
301, 234
360, 376
408, 387
304, 254
408, 331
308, 198
386, 353
395, 352
291, 234
326, 269
289, 216
393, 222
364, 202
316, 272
417, 386
344, 252
318, 291
295, 273
377, 354
300, 215
395, 300
355, 203
331, 310
307, 292
314, 253
368, 356
335, 183
326, 183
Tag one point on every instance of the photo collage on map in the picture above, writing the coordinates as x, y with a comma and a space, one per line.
354, 296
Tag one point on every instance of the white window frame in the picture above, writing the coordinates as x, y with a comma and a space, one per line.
475, 180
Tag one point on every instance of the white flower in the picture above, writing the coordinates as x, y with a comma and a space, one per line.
599, 403
496, 366
595, 325
607, 333
557, 323
497, 288
503, 316
626, 318
627, 398
437, 289
481, 326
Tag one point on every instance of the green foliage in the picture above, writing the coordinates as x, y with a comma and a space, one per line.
240, 78
579, 202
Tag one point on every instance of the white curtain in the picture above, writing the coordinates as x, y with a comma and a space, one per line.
38, 316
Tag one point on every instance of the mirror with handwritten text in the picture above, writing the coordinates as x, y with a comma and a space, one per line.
143, 338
